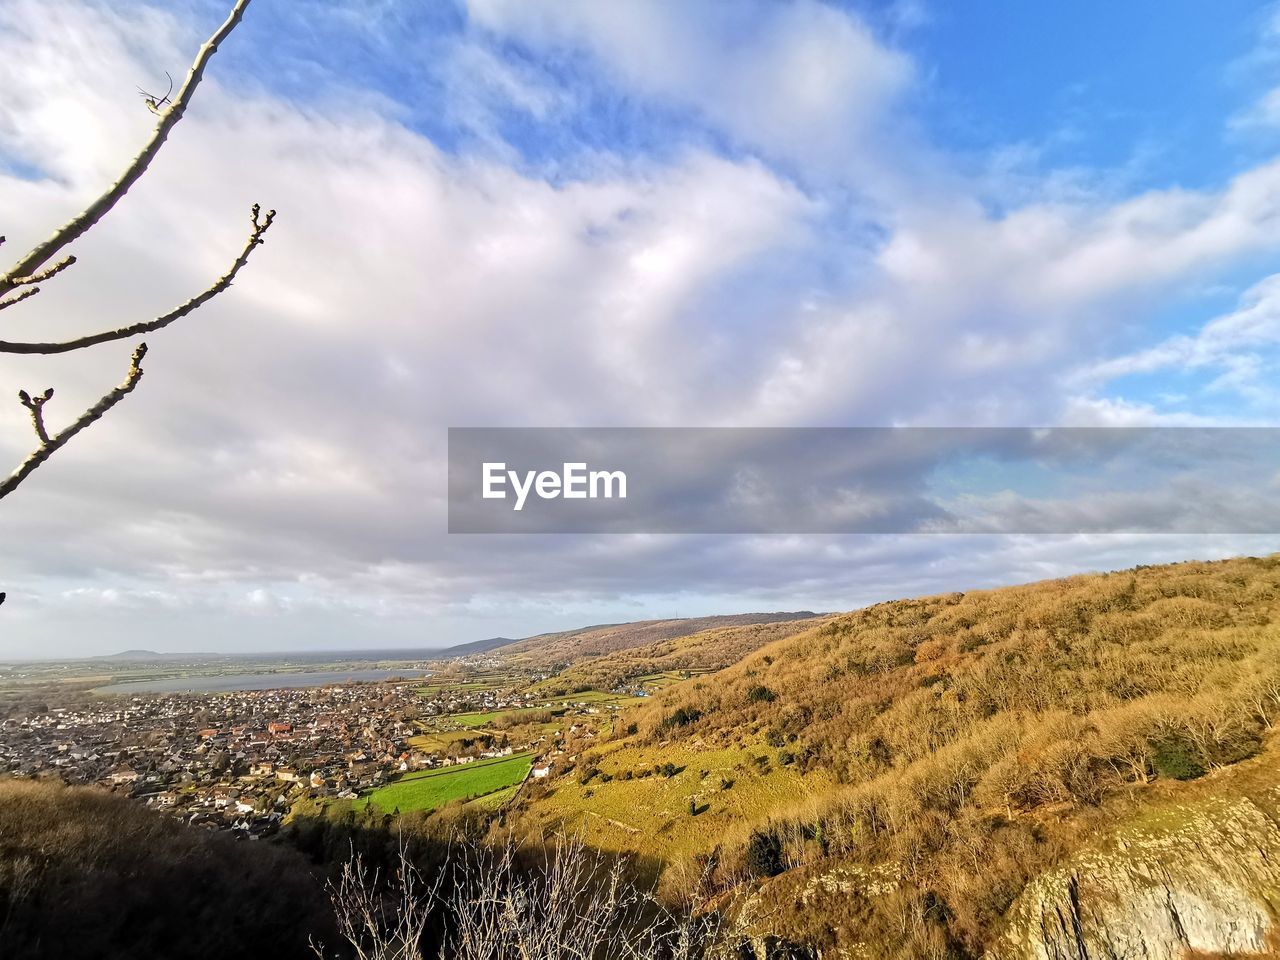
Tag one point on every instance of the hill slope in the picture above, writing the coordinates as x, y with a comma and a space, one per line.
84, 873
707, 650
929, 757
476, 646
560, 649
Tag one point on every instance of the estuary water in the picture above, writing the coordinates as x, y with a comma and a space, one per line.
226, 683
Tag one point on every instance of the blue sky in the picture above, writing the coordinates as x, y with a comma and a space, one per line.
1136, 92
553, 213
1095, 84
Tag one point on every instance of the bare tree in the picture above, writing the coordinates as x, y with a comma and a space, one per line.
376, 925
571, 906
22, 281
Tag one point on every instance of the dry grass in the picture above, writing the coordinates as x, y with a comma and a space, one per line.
955, 744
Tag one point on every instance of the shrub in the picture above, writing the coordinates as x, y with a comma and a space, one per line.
1175, 757
764, 854
761, 694
682, 717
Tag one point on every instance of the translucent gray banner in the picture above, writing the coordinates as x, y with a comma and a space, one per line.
864, 480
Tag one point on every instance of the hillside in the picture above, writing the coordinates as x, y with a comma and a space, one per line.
712, 649
560, 649
84, 873
476, 646
904, 771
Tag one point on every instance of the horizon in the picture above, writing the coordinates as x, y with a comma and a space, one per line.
270, 654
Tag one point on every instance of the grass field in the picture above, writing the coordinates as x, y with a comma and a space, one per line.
432, 740
652, 814
428, 789
492, 801
594, 697
469, 685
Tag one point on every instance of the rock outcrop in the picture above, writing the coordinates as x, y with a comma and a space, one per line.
1202, 877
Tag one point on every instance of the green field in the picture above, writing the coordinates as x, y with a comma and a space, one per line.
464, 685
652, 813
432, 740
428, 789
594, 698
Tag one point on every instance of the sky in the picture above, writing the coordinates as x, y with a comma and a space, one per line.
555, 213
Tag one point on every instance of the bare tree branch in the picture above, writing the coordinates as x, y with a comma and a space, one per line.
50, 445
76, 227
25, 294
36, 406
575, 905
46, 273
260, 226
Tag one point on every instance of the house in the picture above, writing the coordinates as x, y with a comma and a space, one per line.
540, 772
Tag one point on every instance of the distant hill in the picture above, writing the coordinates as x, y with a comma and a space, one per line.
475, 646
573, 646
712, 649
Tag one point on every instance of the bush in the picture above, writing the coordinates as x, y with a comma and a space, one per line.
1175, 757
682, 717
764, 854
92, 875
761, 694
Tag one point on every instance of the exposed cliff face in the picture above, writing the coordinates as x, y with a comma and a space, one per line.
1194, 877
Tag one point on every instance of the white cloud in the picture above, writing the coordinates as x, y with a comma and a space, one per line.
1263, 114
1230, 344
283, 457
801, 81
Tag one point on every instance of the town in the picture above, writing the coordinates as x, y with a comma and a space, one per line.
242, 760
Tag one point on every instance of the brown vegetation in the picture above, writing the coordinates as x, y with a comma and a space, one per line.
711, 649
974, 736
84, 873
559, 649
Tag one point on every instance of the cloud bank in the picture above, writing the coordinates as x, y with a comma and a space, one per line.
535, 214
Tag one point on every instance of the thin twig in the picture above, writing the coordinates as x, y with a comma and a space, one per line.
46, 273
50, 445
36, 407
260, 226
76, 227
25, 294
